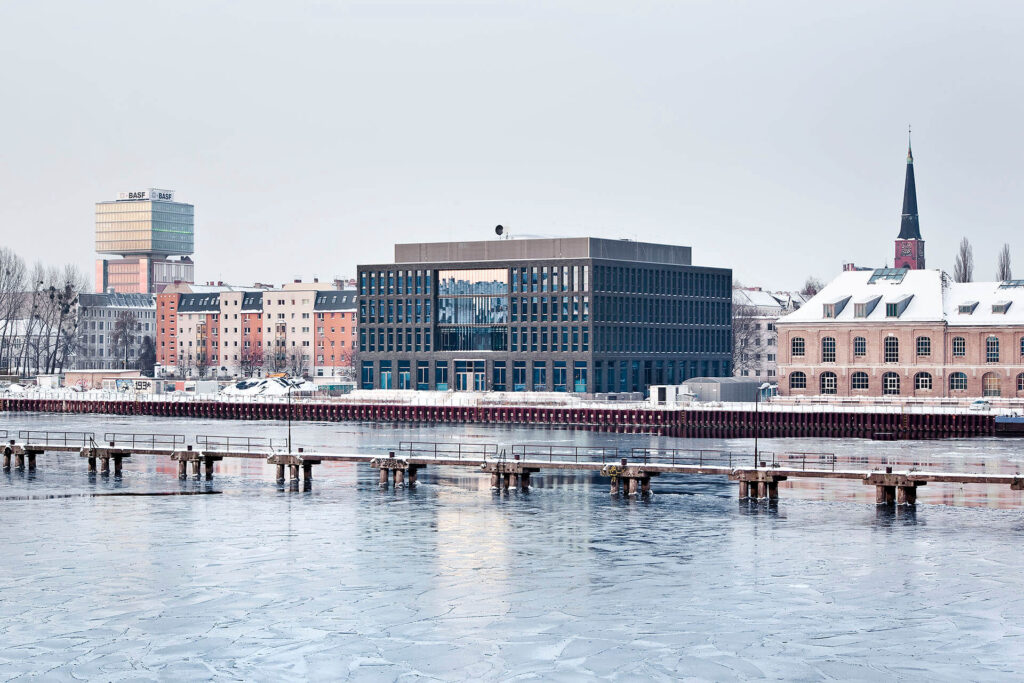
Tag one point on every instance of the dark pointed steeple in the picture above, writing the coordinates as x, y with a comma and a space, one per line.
909, 228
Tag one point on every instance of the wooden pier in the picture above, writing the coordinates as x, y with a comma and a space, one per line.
756, 477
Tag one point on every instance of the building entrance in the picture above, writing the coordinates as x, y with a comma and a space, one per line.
470, 375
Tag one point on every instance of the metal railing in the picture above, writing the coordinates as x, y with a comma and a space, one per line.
448, 449
208, 442
551, 453
817, 461
698, 457
170, 441
44, 438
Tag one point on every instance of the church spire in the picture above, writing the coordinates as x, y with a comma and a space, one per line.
909, 228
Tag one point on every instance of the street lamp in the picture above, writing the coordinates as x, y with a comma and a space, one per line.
757, 417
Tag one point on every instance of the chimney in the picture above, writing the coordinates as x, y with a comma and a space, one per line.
315, 280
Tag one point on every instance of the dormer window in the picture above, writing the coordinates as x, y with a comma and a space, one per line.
967, 307
894, 309
864, 308
1001, 307
834, 308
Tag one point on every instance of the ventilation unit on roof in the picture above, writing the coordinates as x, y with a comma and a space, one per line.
894, 309
864, 308
967, 307
1001, 307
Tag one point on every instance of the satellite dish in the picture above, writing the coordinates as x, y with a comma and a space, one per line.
499, 230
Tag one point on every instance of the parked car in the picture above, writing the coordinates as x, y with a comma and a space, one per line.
980, 404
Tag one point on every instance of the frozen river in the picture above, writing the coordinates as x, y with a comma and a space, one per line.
451, 582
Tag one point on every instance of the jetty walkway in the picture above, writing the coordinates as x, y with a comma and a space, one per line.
629, 471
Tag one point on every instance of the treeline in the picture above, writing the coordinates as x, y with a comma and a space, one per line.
39, 314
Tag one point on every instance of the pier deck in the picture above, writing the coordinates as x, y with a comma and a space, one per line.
757, 477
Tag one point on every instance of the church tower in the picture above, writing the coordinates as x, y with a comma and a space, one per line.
909, 245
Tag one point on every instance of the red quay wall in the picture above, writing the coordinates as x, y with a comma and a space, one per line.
692, 423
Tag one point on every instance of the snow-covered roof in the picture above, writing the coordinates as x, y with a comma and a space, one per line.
901, 295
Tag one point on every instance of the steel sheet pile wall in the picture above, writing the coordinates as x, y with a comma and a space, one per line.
680, 423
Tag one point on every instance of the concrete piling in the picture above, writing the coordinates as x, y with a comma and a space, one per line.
208, 463
92, 464
182, 469
105, 464
744, 489
195, 468
399, 478
383, 478
117, 465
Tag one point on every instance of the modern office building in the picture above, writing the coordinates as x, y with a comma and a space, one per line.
145, 228
581, 315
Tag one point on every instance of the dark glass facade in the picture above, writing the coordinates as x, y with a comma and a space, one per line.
587, 317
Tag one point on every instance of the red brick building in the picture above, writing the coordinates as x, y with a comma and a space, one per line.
900, 332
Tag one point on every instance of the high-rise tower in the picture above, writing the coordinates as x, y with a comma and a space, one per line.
145, 228
909, 245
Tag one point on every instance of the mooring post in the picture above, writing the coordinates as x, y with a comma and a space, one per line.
280, 474
105, 464
182, 469
208, 462
525, 479
117, 465
399, 478
195, 468
744, 489
383, 477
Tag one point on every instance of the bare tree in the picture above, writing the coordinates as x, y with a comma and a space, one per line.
1003, 270
12, 304
252, 360
963, 267
123, 336
746, 339
812, 286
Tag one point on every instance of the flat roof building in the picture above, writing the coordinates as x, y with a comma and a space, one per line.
581, 315
145, 228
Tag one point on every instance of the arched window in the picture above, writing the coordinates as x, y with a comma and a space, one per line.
922, 381
828, 350
859, 380
890, 384
797, 345
958, 382
892, 350
1020, 382
797, 380
959, 346
992, 350
924, 346
860, 346
990, 384
829, 383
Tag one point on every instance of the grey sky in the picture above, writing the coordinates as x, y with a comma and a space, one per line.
313, 135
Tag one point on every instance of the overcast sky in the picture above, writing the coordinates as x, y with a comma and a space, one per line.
311, 136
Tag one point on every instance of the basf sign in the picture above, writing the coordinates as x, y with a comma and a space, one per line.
151, 193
